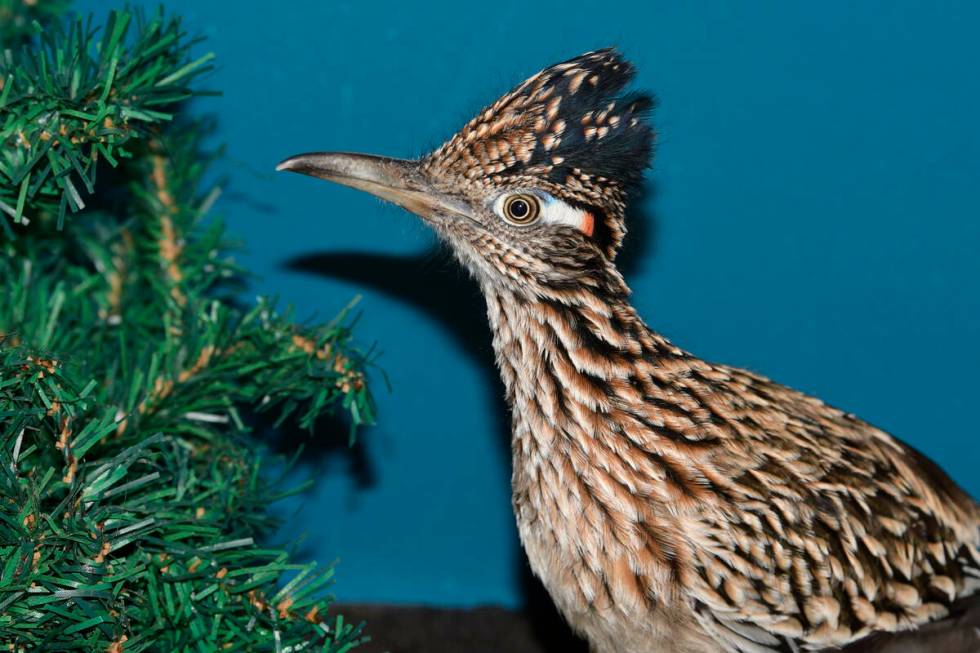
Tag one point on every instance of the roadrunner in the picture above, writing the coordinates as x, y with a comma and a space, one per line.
667, 503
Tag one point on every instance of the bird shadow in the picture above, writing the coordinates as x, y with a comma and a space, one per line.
328, 442
436, 286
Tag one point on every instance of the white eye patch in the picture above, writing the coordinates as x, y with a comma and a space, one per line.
549, 210
555, 211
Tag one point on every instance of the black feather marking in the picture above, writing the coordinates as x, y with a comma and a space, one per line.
624, 151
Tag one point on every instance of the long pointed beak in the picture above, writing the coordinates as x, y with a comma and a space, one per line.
396, 180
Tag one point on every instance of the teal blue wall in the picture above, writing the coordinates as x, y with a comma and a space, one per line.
813, 215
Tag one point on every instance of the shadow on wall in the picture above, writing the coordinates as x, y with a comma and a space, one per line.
436, 285
331, 442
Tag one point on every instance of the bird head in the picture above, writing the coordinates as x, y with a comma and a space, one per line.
532, 191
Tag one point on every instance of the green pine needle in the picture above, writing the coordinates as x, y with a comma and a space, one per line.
69, 94
133, 503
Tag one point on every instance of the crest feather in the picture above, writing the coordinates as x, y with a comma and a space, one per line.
567, 130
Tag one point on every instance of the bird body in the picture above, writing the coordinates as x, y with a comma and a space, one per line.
666, 503
671, 505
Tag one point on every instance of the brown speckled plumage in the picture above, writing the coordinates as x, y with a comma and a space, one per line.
667, 503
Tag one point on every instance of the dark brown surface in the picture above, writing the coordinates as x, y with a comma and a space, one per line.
416, 629
411, 629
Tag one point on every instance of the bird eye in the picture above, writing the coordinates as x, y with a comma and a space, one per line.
521, 209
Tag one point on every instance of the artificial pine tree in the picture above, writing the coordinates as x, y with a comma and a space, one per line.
132, 498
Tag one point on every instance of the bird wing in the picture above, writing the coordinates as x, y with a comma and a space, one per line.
825, 529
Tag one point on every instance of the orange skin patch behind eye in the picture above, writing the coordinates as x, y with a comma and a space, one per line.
588, 223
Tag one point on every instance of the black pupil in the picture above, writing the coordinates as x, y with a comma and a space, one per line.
519, 209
